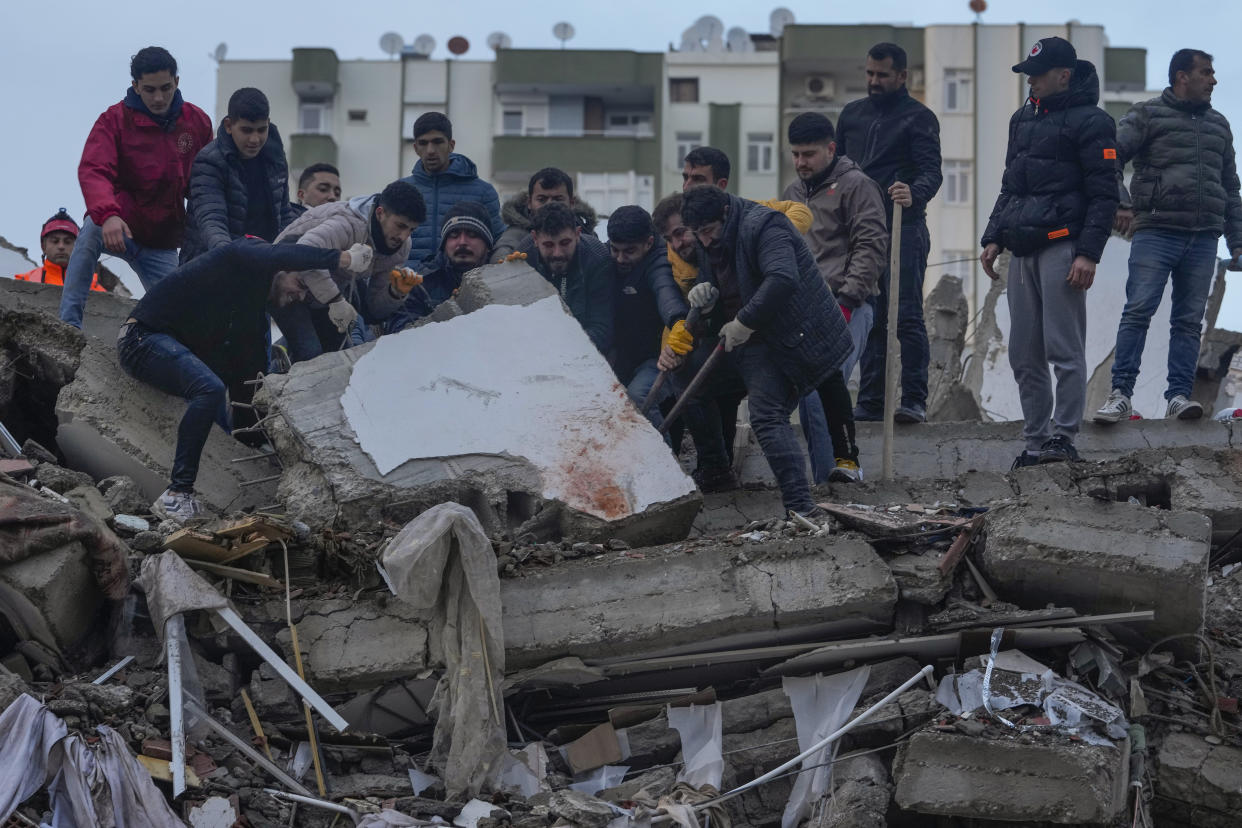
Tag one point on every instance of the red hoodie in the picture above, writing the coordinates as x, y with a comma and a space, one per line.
133, 168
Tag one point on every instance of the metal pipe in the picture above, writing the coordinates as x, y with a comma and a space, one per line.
174, 630
892, 358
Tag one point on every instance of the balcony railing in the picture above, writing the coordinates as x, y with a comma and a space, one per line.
634, 131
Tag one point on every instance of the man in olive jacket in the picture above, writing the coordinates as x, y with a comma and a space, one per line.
1183, 196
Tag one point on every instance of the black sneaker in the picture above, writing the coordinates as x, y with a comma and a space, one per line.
715, 480
1058, 449
1026, 458
913, 413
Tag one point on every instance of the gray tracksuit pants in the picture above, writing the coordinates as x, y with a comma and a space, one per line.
1048, 324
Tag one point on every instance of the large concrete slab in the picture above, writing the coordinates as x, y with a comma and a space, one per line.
51, 597
500, 403
1057, 781
1198, 783
1100, 556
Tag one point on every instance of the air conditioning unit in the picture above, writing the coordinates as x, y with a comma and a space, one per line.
820, 87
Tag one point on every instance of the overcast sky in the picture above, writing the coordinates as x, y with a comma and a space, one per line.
63, 63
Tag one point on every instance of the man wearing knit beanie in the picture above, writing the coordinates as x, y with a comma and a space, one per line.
465, 240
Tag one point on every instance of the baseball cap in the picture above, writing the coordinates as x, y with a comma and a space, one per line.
60, 221
1049, 53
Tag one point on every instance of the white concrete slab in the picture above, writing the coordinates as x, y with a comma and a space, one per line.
515, 381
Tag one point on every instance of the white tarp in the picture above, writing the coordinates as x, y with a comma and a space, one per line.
517, 381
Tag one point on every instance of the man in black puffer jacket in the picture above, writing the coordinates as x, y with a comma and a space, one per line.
782, 329
1054, 213
239, 184
1184, 195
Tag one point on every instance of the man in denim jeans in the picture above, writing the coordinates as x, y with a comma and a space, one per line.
134, 172
1183, 196
202, 332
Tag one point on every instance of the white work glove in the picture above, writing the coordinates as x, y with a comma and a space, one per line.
342, 313
703, 296
734, 333
360, 257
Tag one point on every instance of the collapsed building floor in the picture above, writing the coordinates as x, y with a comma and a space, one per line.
658, 650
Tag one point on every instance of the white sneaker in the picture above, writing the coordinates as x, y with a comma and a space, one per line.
1183, 409
176, 506
1116, 408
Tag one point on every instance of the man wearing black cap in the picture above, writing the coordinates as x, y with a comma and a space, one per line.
1054, 214
465, 239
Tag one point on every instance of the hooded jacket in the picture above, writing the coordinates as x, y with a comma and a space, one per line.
1185, 172
894, 138
458, 182
646, 300
850, 234
516, 215
784, 298
586, 286
1060, 178
218, 206
137, 166
338, 225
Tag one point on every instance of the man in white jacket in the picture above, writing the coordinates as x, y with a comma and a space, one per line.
337, 297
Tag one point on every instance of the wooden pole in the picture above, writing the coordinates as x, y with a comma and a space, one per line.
892, 358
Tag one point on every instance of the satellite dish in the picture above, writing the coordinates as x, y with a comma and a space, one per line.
709, 27
739, 40
499, 40
424, 45
391, 43
458, 45
563, 32
779, 19
219, 53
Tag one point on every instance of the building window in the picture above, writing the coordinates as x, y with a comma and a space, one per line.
957, 90
956, 182
760, 150
683, 90
687, 141
357, 116
629, 123
512, 122
315, 118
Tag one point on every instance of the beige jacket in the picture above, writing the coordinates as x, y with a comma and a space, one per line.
338, 225
849, 236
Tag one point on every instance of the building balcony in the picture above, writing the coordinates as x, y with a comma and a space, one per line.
315, 73
635, 131
574, 154
311, 148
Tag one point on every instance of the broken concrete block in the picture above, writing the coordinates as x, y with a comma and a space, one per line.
1067, 783
61, 480
1203, 781
123, 495
51, 597
581, 809
621, 604
513, 432
1099, 557
88, 499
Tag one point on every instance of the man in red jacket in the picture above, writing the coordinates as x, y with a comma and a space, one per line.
134, 172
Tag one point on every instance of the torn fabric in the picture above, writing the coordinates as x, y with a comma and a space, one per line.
173, 588
442, 561
700, 727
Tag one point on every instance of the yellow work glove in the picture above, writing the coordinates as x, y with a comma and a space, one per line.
402, 280
515, 256
679, 339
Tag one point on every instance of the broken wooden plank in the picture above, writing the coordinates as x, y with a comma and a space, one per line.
259, 578
953, 555
161, 769
255, 524
200, 546
881, 523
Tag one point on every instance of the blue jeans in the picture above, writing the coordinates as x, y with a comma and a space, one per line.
161, 361
911, 331
811, 410
150, 263
752, 369
1154, 255
309, 331
640, 386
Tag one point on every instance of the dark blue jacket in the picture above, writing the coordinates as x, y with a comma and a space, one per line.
460, 182
217, 206
216, 305
646, 301
586, 287
1060, 178
785, 300
438, 286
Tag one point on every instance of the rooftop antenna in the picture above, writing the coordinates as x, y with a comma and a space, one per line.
424, 45
779, 19
739, 40
391, 43
219, 53
499, 40
563, 32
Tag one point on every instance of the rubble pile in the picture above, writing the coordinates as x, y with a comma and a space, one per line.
452, 641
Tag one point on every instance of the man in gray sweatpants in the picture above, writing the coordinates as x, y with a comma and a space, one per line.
1054, 213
